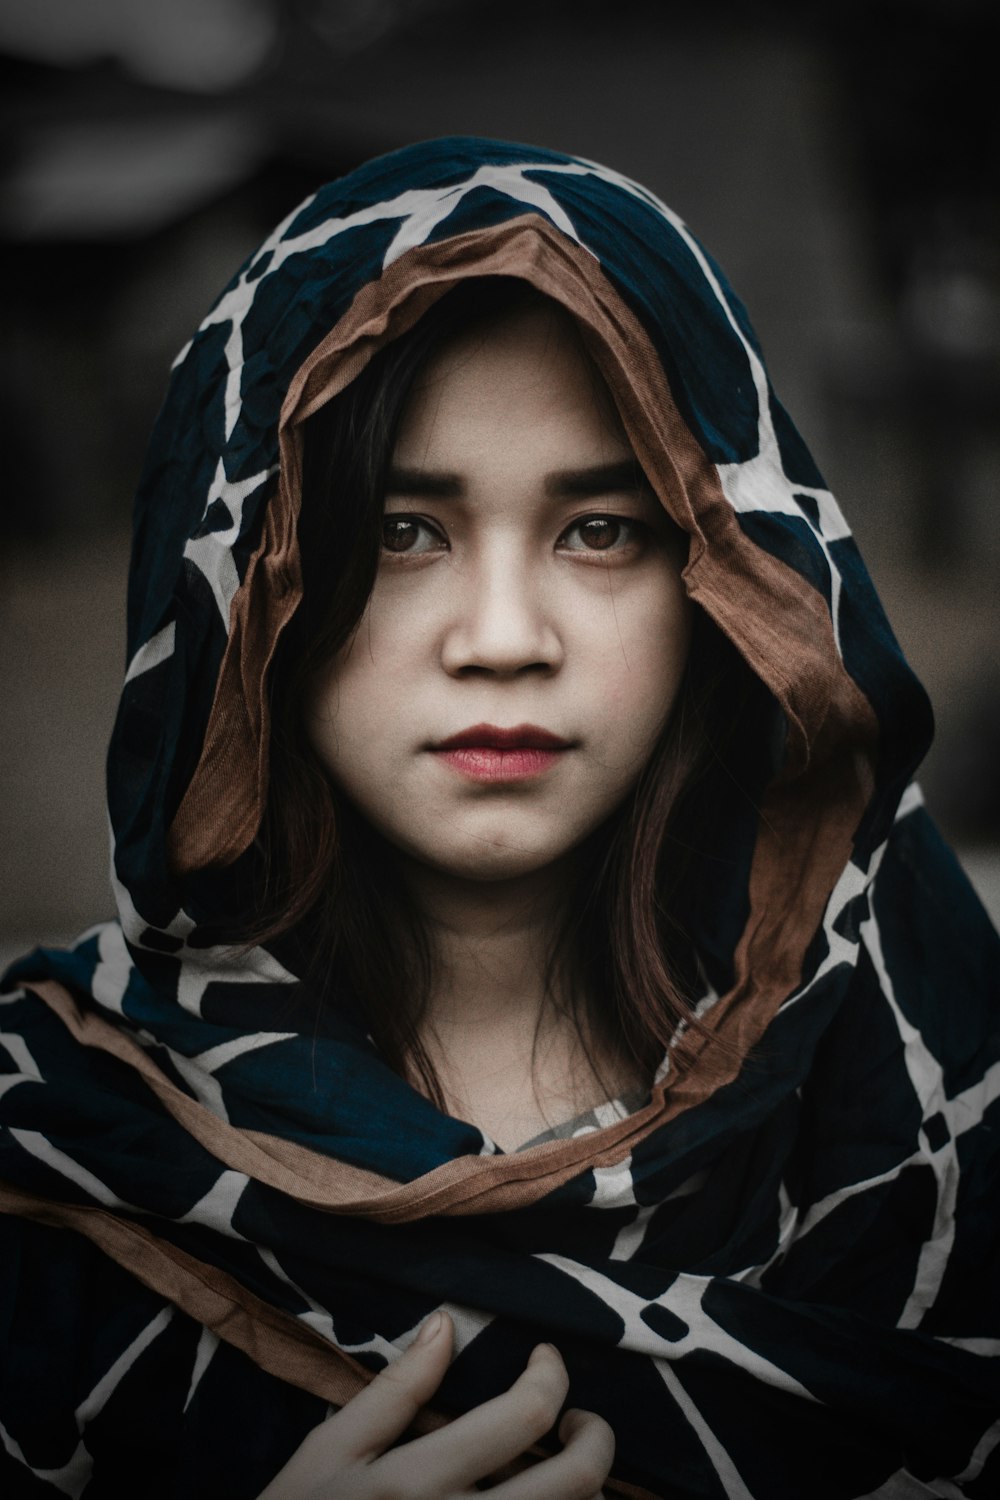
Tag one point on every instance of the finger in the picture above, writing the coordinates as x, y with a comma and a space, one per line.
489, 1436
381, 1413
577, 1473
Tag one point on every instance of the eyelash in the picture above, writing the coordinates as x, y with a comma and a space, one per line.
635, 532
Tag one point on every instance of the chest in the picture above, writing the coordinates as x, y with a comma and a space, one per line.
515, 1088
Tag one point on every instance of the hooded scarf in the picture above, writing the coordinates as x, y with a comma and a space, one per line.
777, 1277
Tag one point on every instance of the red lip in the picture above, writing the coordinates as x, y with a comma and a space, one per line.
491, 737
487, 753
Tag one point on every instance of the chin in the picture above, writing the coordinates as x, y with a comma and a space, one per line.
484, 866
508, 845
483, 857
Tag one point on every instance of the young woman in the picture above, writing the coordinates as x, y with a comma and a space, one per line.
529, 934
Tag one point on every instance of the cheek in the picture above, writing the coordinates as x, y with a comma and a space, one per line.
646, 663
342, 712
357, 696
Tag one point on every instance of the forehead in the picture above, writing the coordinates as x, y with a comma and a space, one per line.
526, 372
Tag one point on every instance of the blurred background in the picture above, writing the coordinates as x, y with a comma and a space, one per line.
840, 159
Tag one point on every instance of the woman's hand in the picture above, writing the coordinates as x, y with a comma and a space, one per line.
350, 1456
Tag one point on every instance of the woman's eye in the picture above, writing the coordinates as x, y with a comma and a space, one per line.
599, 534
410, 535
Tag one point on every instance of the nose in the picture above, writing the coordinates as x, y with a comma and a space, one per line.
501, 621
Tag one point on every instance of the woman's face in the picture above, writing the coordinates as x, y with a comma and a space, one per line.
527, 632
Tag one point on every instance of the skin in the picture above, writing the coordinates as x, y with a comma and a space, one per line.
351, 1455
529, 576
495, 605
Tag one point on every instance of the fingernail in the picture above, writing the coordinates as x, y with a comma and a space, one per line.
430, 1329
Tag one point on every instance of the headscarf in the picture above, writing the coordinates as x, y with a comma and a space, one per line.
779, 1276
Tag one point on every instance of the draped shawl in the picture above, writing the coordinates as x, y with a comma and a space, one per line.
219, 1214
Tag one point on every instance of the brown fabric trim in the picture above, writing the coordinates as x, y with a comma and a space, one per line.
775, 618
464, 1185
275, 1341
234, 755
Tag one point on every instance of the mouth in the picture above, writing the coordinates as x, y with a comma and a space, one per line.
488, 753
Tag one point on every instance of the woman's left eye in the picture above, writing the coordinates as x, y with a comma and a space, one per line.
600, 534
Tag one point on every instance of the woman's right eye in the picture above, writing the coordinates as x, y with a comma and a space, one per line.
411, 536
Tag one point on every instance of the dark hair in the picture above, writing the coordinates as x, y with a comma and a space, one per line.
328, 873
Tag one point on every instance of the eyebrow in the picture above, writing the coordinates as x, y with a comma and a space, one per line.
429, 482
563, 484
598, 479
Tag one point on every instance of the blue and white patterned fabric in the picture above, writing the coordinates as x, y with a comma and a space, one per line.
779, 1278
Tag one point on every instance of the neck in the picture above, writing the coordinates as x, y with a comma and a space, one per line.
511, 1050
492, 943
